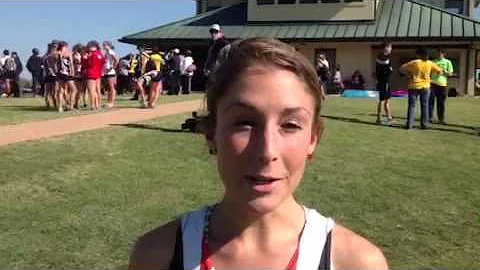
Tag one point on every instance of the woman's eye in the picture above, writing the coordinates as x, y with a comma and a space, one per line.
244, 124
291, 126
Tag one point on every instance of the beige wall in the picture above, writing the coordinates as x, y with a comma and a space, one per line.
312, 12
350, 57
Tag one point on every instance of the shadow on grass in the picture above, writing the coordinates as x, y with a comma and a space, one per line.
418, 119
149, 127
29, 108
398, 126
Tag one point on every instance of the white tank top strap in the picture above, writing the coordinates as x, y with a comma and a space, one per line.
192, 233
313, 239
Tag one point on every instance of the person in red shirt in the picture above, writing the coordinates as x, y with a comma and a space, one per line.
93, 73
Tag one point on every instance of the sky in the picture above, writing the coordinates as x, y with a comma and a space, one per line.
32, 24
27, 24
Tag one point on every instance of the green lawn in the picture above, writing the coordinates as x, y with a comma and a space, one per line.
20, 110
81, 200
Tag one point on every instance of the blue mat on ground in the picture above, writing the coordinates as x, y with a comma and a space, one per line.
352, 93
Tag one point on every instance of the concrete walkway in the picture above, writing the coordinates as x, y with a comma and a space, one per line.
10, 134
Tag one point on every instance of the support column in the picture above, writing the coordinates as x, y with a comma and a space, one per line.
470, 80
202, 6
470, 8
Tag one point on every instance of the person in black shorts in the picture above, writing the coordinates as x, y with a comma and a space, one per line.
383, 72
67, 90
50, 70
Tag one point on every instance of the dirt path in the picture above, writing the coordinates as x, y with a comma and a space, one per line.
57, 127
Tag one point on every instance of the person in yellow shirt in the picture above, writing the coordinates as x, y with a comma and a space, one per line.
419, 72
157, 77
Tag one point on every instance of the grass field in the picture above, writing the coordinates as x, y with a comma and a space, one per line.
20, 110
81, 200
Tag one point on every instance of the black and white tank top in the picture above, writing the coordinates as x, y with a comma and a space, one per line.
64, 66
314, 249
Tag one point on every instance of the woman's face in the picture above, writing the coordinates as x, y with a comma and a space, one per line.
264, 135
65, 51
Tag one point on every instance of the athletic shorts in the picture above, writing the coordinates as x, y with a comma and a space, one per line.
146, 79
157, 78
50, 79
79, 78
109, 76
383, 89
64, 78
9, 75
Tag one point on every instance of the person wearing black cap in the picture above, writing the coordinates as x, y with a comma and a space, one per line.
214, 51
34, 66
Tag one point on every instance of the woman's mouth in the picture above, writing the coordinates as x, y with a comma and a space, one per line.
261, 183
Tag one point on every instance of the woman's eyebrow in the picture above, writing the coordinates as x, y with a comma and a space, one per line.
240, 104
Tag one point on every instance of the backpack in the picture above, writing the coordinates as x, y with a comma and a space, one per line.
10, 64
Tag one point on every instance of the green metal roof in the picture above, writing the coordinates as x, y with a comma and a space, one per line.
396, 20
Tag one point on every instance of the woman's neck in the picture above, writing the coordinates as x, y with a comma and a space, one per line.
232, 222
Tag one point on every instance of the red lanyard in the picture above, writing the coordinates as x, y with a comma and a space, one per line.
206, 262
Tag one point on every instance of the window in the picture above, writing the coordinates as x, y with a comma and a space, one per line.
287, 2
308, 1
455, 6
265, 2
330, 1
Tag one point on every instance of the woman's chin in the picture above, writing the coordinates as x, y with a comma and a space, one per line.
263, 205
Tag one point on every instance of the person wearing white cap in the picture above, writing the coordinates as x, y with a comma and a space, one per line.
218, 43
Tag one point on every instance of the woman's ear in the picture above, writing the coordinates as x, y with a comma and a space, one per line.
208, 131
317, 131
211, 143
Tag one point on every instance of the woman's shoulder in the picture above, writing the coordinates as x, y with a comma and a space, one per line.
352, 251
154, 250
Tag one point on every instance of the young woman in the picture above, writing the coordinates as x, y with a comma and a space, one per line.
338, 80
157, 77
7, 72
109, 73
79, 53
123, 82
357, 81
144, 72
263, 124
67, 90
93, 73
188, 68
50, 68
323, 72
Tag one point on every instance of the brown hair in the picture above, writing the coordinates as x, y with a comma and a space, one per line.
244, 54
109, 44
78, 48
61, 45
93, 43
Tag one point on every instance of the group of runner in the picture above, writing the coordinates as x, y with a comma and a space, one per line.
69, 75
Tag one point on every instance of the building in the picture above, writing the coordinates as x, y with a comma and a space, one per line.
348, 32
